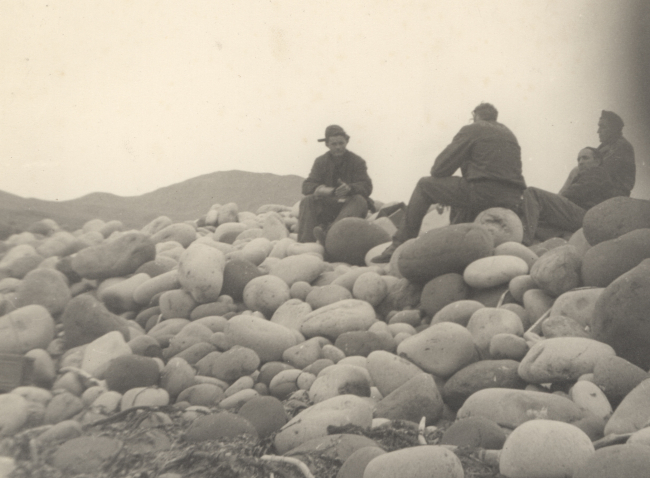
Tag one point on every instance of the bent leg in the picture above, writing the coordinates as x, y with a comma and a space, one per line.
553, 209
308, 218
451, 191
354, 206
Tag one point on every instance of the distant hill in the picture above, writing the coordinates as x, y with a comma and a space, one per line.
187, 200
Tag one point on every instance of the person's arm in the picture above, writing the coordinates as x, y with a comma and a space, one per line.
360, 182
454, 155
316, 180
572, 176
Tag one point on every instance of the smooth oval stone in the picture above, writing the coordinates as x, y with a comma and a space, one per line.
189, 335
237, 273
577, 304
590, 398
608, 260
337, 447
486, 322
402, 294
322, 296
332, 320
561, 326
478, 376
85, 454
144, 396
617, 377
114, 257
219, 425
633, 413
273, 227
558, 271
98, 353
349, 240
458, 312
621, 316
291, 314
562, 359
118, 298
234, 363
537, 303
19, 260
411, 317
389, 371
200, 272
642, 437
416, 462
314, 421
302, 267
46, 287
164, 330
354, 466
284, 383
613, 218
265, 294
86, 319
518, 250
494, 270
44, 368
237, 399
130, 371
444, 250
62, 407
441, 349
144, 292
176, 304
340, 379
29, 327
475, 432
257, 249
14, 412
629, 461
510, 408
202, 394
156, 225
544, 449
508, 346
268, 339
442, 291
504, 225
183, 233
266, 414
416, 398
370, 287
519, 285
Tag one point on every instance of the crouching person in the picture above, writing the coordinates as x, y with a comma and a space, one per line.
338, 186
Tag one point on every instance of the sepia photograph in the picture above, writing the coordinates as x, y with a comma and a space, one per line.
360, 239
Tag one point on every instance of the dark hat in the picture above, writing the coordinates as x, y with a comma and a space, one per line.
334, 130
612, 118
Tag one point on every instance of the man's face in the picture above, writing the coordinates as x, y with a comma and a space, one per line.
586, 159
336, 145
605, 131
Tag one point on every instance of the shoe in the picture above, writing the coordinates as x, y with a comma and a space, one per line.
385, 256
320, 235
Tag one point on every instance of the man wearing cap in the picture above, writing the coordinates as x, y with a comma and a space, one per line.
489, 158
617, 152
338, 186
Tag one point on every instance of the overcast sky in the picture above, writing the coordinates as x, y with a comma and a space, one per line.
126, 96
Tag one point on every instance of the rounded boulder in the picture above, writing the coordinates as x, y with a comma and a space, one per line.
349, 240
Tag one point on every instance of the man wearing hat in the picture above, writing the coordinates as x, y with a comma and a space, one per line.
338, 186
489, 158
617, 153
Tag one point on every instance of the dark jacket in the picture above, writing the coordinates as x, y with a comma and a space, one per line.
483, 150
351, 169
618, 160
590, 187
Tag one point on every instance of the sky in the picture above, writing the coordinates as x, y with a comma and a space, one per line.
125, 96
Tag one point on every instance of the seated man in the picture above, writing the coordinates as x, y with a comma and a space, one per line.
590, 186
617, 153
489, 158
338, 186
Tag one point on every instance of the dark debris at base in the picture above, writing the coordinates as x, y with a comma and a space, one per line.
224, 458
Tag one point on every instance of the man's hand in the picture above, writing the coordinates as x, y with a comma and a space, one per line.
323, 191
342, 191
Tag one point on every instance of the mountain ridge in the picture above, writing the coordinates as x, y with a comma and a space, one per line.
186, 200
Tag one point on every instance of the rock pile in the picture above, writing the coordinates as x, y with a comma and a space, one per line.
540, 354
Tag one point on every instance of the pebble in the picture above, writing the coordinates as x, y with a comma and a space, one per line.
268, 339
14, 412
441, 349
266, 414
356, 463
416, 398
544, 449
46, 287
617, 377
613, 218
494, 270
416, 462
29, 327
340, 379
219, 425
578, 305
129, 371
629, 461
85, 319
487, 322
633, 413
458, 312
332, 320
350, 239
389, 371
85, 454
442, 291
475, 432
558, 271
298, 268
